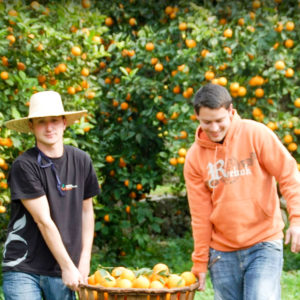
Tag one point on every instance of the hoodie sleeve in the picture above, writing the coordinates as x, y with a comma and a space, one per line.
199, 198
280, 163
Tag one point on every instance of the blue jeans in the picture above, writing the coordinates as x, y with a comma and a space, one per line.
250, 274
25, 286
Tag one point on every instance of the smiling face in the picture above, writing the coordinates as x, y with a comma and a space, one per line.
215, 122
48, 131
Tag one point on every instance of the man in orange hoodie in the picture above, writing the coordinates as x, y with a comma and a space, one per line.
231, 173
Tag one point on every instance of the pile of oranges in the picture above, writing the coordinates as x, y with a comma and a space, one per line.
159, 277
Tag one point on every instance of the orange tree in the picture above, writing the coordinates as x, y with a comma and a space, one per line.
135, 66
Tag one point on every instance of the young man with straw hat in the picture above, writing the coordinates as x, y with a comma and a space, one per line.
50, 234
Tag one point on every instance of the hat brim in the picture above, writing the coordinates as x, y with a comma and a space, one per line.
22, 125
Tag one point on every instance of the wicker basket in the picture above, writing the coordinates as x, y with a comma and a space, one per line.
91, 292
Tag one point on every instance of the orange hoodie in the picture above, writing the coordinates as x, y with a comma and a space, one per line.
232, 190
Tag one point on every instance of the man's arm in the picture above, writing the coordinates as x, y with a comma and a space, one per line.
88, 226
39, 209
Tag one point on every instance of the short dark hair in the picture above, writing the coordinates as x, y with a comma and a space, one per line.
212, 96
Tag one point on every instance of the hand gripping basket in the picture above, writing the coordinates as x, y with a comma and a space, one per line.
92, 292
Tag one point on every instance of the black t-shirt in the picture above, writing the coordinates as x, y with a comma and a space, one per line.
25, 249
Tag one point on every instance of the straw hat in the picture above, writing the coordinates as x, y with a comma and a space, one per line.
44, 104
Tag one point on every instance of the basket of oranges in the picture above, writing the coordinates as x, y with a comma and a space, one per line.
142, 284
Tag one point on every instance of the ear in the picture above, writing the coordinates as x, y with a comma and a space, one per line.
65, 123
197, 115
230, 110
30, 125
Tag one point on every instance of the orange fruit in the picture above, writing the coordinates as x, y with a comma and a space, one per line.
204, 52
168, 10
297, 131
259, 93
109, 21
234, 87
292, 147
156, 284
109, 159
183, 134
76, 51
289, 72
209, 75
2, 209
188, 277
182, 152
241, 21
297, 102
91, 280
141, 282
90, 95
190, 43
4, 61
158, 67
256, 4
99, 275
108, 281
86, 3
175, 281
228, 50
149, 46
85, 72
4, 75
182, 26
290, 26
176, 89
174, 115
139, 186
21, 66
132, 22
161, 269
40, 47
181, 160
117, 271
62, 68
11, 38
256, 112
154, 61
123, 283
13, 13
127, 274
124, 105
279, 65
287, 138
227, 33
106, 218
242, 91
160, 116
289, 43
173, 161
71, 90
272, 125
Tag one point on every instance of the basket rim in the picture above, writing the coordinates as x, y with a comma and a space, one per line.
115, 290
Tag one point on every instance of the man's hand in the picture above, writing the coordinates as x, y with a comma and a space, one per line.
201, 278
293, 236
71, 277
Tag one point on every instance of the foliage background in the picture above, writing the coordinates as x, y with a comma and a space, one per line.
140, 112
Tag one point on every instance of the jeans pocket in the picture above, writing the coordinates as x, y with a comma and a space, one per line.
276, 244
